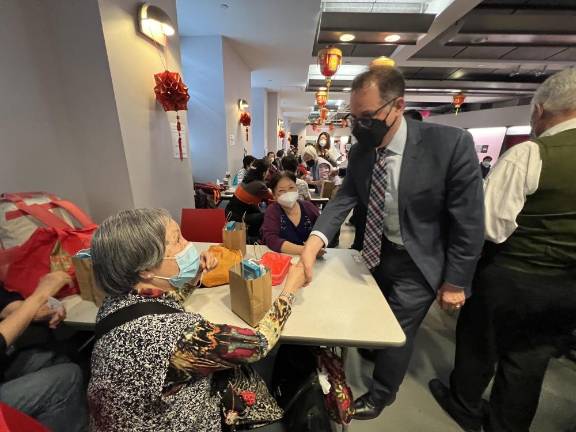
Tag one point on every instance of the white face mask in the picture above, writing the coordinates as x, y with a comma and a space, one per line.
288, 199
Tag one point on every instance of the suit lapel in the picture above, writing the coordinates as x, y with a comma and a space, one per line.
409, 167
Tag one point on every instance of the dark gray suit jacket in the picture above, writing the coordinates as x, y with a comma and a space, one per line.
440, 199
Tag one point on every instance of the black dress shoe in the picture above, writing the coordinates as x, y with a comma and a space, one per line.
366, 354
444, 398
366, 408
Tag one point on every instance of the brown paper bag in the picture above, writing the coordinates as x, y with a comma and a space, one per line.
327, 189
250, 299
88, 289
235, 240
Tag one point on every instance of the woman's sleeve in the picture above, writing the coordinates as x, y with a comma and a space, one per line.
312, 211
206, 347
264, 193
271, 228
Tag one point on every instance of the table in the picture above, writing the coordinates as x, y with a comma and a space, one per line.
343, 306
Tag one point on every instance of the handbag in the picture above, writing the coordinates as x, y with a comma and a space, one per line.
246, 402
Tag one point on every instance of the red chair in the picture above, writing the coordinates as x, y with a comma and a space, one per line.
203, 225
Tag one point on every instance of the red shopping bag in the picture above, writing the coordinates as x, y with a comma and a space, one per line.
12, 420
48, 249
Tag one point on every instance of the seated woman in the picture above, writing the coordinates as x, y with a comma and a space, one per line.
290, 164
320, 169
246, 162
38, 381
154, 373
289, 221
244, 205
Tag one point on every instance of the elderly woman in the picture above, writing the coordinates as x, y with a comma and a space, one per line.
153, 373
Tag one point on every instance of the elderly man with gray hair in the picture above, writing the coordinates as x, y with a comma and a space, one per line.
524, 297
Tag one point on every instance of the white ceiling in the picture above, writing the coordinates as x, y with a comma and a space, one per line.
275, 38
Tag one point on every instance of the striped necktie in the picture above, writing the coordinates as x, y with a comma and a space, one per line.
375, 218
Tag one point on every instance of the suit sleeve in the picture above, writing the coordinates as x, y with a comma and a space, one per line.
333, 216
465, 206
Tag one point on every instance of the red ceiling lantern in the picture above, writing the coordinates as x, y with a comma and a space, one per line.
173, 95
458, 100
281, 134
329, 60
245, 120
321, 98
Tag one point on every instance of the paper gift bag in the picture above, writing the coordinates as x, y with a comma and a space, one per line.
235, 239
327, 189
88, 289
250, 298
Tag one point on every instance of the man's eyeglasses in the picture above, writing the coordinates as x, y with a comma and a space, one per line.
367, 120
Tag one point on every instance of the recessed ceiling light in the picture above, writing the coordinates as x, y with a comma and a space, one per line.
347, 89
392, 38
347, 37
322, 88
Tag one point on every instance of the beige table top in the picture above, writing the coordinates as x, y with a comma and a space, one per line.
343, 306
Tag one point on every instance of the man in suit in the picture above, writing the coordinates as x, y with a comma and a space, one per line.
424, 229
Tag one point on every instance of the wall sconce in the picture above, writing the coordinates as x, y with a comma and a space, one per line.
243, 104
155, 23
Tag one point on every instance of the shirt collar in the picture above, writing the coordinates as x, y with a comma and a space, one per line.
398, 141
560, 127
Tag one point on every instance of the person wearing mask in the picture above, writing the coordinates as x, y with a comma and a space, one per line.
39, 382
246, 162
325, 150
244, 206
524, 300
485, 166
422, 189
288, 221
320, 169
290, 164
154, 372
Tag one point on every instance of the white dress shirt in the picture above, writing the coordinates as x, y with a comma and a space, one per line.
394, 153
515, 176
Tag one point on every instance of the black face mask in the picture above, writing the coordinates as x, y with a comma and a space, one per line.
371, 137
310, 163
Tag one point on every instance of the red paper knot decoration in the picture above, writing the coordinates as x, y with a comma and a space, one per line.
245, 120
324, 113
281, 134
458, 100
248, 397
173, 95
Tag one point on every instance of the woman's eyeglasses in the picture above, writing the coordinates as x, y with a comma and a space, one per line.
367, 121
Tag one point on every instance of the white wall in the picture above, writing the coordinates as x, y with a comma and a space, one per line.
36, 149
236, 86
510, 116
157, 178
259, 113
272, 122
204, 74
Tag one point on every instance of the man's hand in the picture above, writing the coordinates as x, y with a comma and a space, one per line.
308, 256
51, 283
208, 261
450, 297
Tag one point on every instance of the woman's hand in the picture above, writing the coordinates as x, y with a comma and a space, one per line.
296, 278
53, 316
51, 283
208, 261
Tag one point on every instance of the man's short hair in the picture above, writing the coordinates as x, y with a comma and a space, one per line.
389, 80
558, 93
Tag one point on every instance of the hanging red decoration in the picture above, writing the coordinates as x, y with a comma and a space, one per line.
281, 134
329, 60
458, 100
173, 95
321, 98
323, 113
245, 120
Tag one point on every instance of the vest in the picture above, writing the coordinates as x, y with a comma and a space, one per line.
545, 240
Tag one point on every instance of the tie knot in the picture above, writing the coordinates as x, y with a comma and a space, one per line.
382, 152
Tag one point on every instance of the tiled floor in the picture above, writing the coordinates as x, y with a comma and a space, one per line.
416, 411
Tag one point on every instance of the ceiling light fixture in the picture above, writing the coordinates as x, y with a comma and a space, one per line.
392, 38
347, 37
155, 23
347, 89
243, 104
